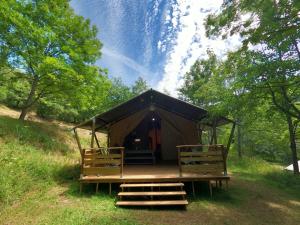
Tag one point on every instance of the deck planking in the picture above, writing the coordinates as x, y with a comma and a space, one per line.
151, 173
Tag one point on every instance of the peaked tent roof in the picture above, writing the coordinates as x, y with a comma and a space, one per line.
144, 100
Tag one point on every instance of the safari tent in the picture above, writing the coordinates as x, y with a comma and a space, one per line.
153, 138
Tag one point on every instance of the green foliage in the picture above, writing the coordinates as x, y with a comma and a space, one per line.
258, 170
257, 85
54, 47
119, 92
139, 86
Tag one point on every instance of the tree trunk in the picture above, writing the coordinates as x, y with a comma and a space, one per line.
29, 101
293, 144
23, 113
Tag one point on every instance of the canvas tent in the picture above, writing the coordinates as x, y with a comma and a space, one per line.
180, 123
291, 168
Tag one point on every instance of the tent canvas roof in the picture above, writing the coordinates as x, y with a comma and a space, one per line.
150, 98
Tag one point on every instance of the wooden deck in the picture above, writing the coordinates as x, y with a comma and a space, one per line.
151, 173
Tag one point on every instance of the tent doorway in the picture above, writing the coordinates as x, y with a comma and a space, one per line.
144, 141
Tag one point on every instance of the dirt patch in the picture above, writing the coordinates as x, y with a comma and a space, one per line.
259, 205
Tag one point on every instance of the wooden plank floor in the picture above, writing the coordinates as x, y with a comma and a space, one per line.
149, 173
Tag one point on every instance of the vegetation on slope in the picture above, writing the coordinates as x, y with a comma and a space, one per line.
38, 183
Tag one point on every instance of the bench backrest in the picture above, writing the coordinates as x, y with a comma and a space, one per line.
103, 161
211, 162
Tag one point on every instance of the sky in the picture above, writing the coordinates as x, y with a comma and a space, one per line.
158, 40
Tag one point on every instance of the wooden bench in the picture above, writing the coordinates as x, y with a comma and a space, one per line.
100, 162
193, 159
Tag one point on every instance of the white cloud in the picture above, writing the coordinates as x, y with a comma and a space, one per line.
126, 60
119, 58
190, 42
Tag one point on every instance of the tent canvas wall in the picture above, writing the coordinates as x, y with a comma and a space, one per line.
179, 121
175, 130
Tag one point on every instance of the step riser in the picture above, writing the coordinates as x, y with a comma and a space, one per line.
174, 193
152, 185
153, 203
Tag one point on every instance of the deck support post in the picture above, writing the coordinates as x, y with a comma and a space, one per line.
210, 188
97, 187
80, 188
109, 188
193, 188
226, 185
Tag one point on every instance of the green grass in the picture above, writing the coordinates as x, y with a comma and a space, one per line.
270, 174
38, 185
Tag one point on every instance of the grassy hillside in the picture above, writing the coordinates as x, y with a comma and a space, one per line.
38, 185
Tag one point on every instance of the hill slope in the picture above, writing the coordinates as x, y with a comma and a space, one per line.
38, 185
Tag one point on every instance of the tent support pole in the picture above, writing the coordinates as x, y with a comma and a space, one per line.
93, 133
97, 142
108, 137
215, 132
81, 152
213, 139
230, 137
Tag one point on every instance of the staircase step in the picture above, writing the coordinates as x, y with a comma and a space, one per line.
147, 203
153, 185
152, 193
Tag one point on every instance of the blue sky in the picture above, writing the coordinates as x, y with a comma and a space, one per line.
156, 39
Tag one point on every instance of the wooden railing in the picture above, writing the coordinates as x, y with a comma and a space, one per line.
102, 161
202, 159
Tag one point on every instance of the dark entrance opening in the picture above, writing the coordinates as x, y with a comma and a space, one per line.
143, 144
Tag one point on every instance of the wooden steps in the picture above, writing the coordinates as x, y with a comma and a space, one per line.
153, 185
136, 157
152, 203
152, 194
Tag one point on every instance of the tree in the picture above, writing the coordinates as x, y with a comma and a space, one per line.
271, 33
118, 93
139, 86
209, 84
53, 47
